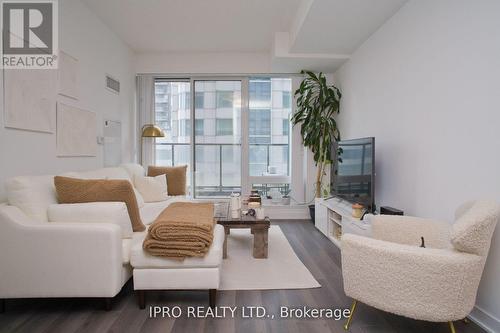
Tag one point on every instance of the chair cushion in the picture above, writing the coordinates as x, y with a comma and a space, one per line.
71, 190
473, 230
140, 259
176, 178
32, 195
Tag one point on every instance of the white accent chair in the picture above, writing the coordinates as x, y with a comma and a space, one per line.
438, 283
67, 250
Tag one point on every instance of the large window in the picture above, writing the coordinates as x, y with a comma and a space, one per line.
218, 149
269, 112
172, 114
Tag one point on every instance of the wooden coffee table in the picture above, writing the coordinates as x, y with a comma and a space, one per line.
259, 229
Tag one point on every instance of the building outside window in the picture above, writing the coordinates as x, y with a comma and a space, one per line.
224, 126
286, 127
224, 99
199, 100
199, 127
217, 124
172, 114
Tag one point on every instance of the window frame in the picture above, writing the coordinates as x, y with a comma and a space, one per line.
246, 179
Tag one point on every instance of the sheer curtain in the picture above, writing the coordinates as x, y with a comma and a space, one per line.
145, 115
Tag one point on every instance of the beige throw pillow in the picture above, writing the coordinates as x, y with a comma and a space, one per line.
152, 189
176, 178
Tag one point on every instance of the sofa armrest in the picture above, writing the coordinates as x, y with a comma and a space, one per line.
58, 259
93, 212
420, 283
409, 230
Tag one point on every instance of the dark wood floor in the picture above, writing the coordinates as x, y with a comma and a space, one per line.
316, 252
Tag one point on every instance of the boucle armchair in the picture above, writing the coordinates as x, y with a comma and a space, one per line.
438, 283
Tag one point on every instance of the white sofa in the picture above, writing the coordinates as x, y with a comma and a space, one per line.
67, 250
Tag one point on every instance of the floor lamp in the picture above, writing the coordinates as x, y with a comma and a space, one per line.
150, 131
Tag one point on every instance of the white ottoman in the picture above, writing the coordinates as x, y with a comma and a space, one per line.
158, 273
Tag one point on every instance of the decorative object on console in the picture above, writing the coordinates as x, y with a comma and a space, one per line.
357, 210
317, 103
235, 203
254, 205
386, 210
150, 131
176, 177
254, 196
73, 190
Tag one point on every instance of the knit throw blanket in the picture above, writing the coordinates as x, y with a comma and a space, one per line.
183, 229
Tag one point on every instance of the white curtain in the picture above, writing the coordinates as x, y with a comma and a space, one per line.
145, 115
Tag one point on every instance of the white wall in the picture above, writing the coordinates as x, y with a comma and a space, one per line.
100, 52
426, 85
203, 63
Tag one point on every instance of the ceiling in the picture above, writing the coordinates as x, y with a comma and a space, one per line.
196, 25
295, 33
341, 25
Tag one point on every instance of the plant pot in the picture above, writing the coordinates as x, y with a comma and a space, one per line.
285, 200
312, 210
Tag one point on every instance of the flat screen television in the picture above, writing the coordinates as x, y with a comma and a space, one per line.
353, 171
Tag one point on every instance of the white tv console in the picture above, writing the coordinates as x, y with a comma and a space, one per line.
333, 217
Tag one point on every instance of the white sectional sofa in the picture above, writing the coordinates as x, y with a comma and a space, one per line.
69, 250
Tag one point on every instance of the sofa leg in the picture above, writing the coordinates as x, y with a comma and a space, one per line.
349, 319
141, 299
452, 327
212, 297
107, 303
2, 305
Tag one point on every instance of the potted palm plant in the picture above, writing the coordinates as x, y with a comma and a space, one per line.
317, 104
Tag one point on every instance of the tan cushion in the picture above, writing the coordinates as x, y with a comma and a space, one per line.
176, 178
74, 190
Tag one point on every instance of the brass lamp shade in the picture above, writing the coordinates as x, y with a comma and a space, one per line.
152, 131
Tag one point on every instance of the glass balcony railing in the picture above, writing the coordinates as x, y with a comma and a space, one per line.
218, 171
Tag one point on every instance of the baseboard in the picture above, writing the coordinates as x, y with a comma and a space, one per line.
287, 212
485, 320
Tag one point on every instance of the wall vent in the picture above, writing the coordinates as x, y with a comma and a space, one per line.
112, 84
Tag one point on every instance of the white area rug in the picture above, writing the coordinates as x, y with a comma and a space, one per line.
281, 270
